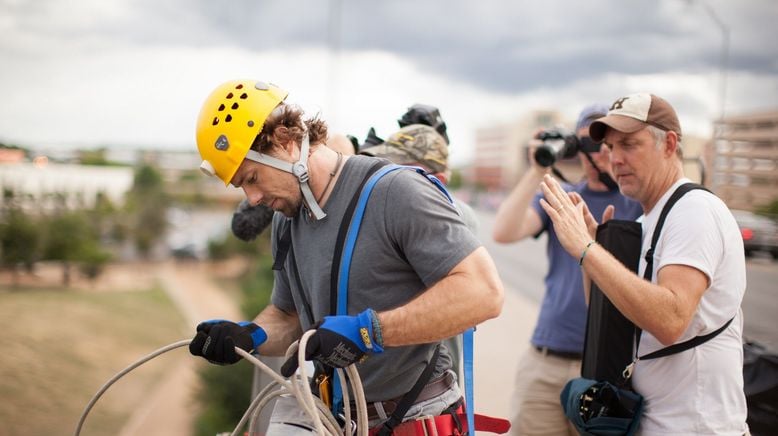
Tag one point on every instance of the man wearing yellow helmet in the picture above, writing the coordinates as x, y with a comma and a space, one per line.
414, 273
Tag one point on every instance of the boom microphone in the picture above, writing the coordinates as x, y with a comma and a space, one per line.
249, 221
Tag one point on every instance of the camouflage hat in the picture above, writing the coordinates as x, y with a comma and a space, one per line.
414, 144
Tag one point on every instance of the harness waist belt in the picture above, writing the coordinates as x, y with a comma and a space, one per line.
449, 424
561, 354
434, 388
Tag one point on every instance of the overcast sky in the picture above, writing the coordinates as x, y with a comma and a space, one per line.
135, 72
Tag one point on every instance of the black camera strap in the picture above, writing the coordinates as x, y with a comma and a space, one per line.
604, 177
559, 174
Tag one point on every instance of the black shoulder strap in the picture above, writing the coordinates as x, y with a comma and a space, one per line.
342, 232
282, 247
300, 293
683, 346
648, 274
677, 194
283, 250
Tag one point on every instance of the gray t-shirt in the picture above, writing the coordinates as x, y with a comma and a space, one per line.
411, 236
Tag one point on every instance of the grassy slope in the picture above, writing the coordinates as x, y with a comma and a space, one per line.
58, 347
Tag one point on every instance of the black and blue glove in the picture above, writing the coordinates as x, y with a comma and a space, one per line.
340, 341
216, 340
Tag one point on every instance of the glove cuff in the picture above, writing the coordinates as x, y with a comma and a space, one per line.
378, 336
370, 331
258, 334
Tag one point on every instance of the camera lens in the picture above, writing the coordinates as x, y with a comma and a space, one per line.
545, 156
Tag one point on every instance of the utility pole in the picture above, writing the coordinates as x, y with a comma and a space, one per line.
334, 19
724, 58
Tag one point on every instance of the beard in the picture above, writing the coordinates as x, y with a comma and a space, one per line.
289, 208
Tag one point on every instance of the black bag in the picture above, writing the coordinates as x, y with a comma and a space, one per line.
609, 334
760, 384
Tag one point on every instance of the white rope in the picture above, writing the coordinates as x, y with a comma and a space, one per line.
297, 386
121, 374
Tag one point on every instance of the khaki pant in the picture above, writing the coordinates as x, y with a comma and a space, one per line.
539, 381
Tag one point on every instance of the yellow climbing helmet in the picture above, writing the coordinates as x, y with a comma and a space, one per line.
229, 121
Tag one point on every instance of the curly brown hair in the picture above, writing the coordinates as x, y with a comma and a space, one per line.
286, 123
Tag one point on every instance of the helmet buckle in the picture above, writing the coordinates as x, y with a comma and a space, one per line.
300, 170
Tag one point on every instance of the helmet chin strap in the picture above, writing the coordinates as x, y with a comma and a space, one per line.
299, 169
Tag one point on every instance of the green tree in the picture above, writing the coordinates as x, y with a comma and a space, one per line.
67, 234
19, 241
92, 259
147, 202
226, 390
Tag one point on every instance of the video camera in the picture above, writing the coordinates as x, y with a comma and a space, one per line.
416, 114
424, 114
561, 144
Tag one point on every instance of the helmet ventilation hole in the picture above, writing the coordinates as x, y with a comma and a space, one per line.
229, 96
234, 105
228, 119
215, 121
240, 86
221, 107
244, 96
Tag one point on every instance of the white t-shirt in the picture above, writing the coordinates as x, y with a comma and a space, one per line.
698, 391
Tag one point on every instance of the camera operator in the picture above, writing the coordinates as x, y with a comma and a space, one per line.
556, 347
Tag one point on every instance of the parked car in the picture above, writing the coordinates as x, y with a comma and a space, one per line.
759, 232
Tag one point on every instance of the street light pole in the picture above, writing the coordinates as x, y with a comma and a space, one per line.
724, 57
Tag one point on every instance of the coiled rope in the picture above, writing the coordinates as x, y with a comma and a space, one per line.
297, 386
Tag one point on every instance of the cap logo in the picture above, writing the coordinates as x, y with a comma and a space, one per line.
222, 143
618, 104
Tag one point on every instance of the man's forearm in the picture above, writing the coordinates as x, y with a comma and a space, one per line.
510, 223
651, 307
282, 329
470, 294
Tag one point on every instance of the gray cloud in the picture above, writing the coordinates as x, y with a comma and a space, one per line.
503, 46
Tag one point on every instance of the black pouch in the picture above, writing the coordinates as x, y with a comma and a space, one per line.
600, 408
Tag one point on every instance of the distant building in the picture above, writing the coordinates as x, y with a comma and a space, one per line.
745, 160
11, 155
39, 183
501, 150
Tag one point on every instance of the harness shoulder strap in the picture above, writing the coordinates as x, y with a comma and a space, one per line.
341, 267
353, 225
283, 250
341, 238
283, 242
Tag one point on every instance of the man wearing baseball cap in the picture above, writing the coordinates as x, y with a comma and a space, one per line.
698, 276
554, 353
423, 146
